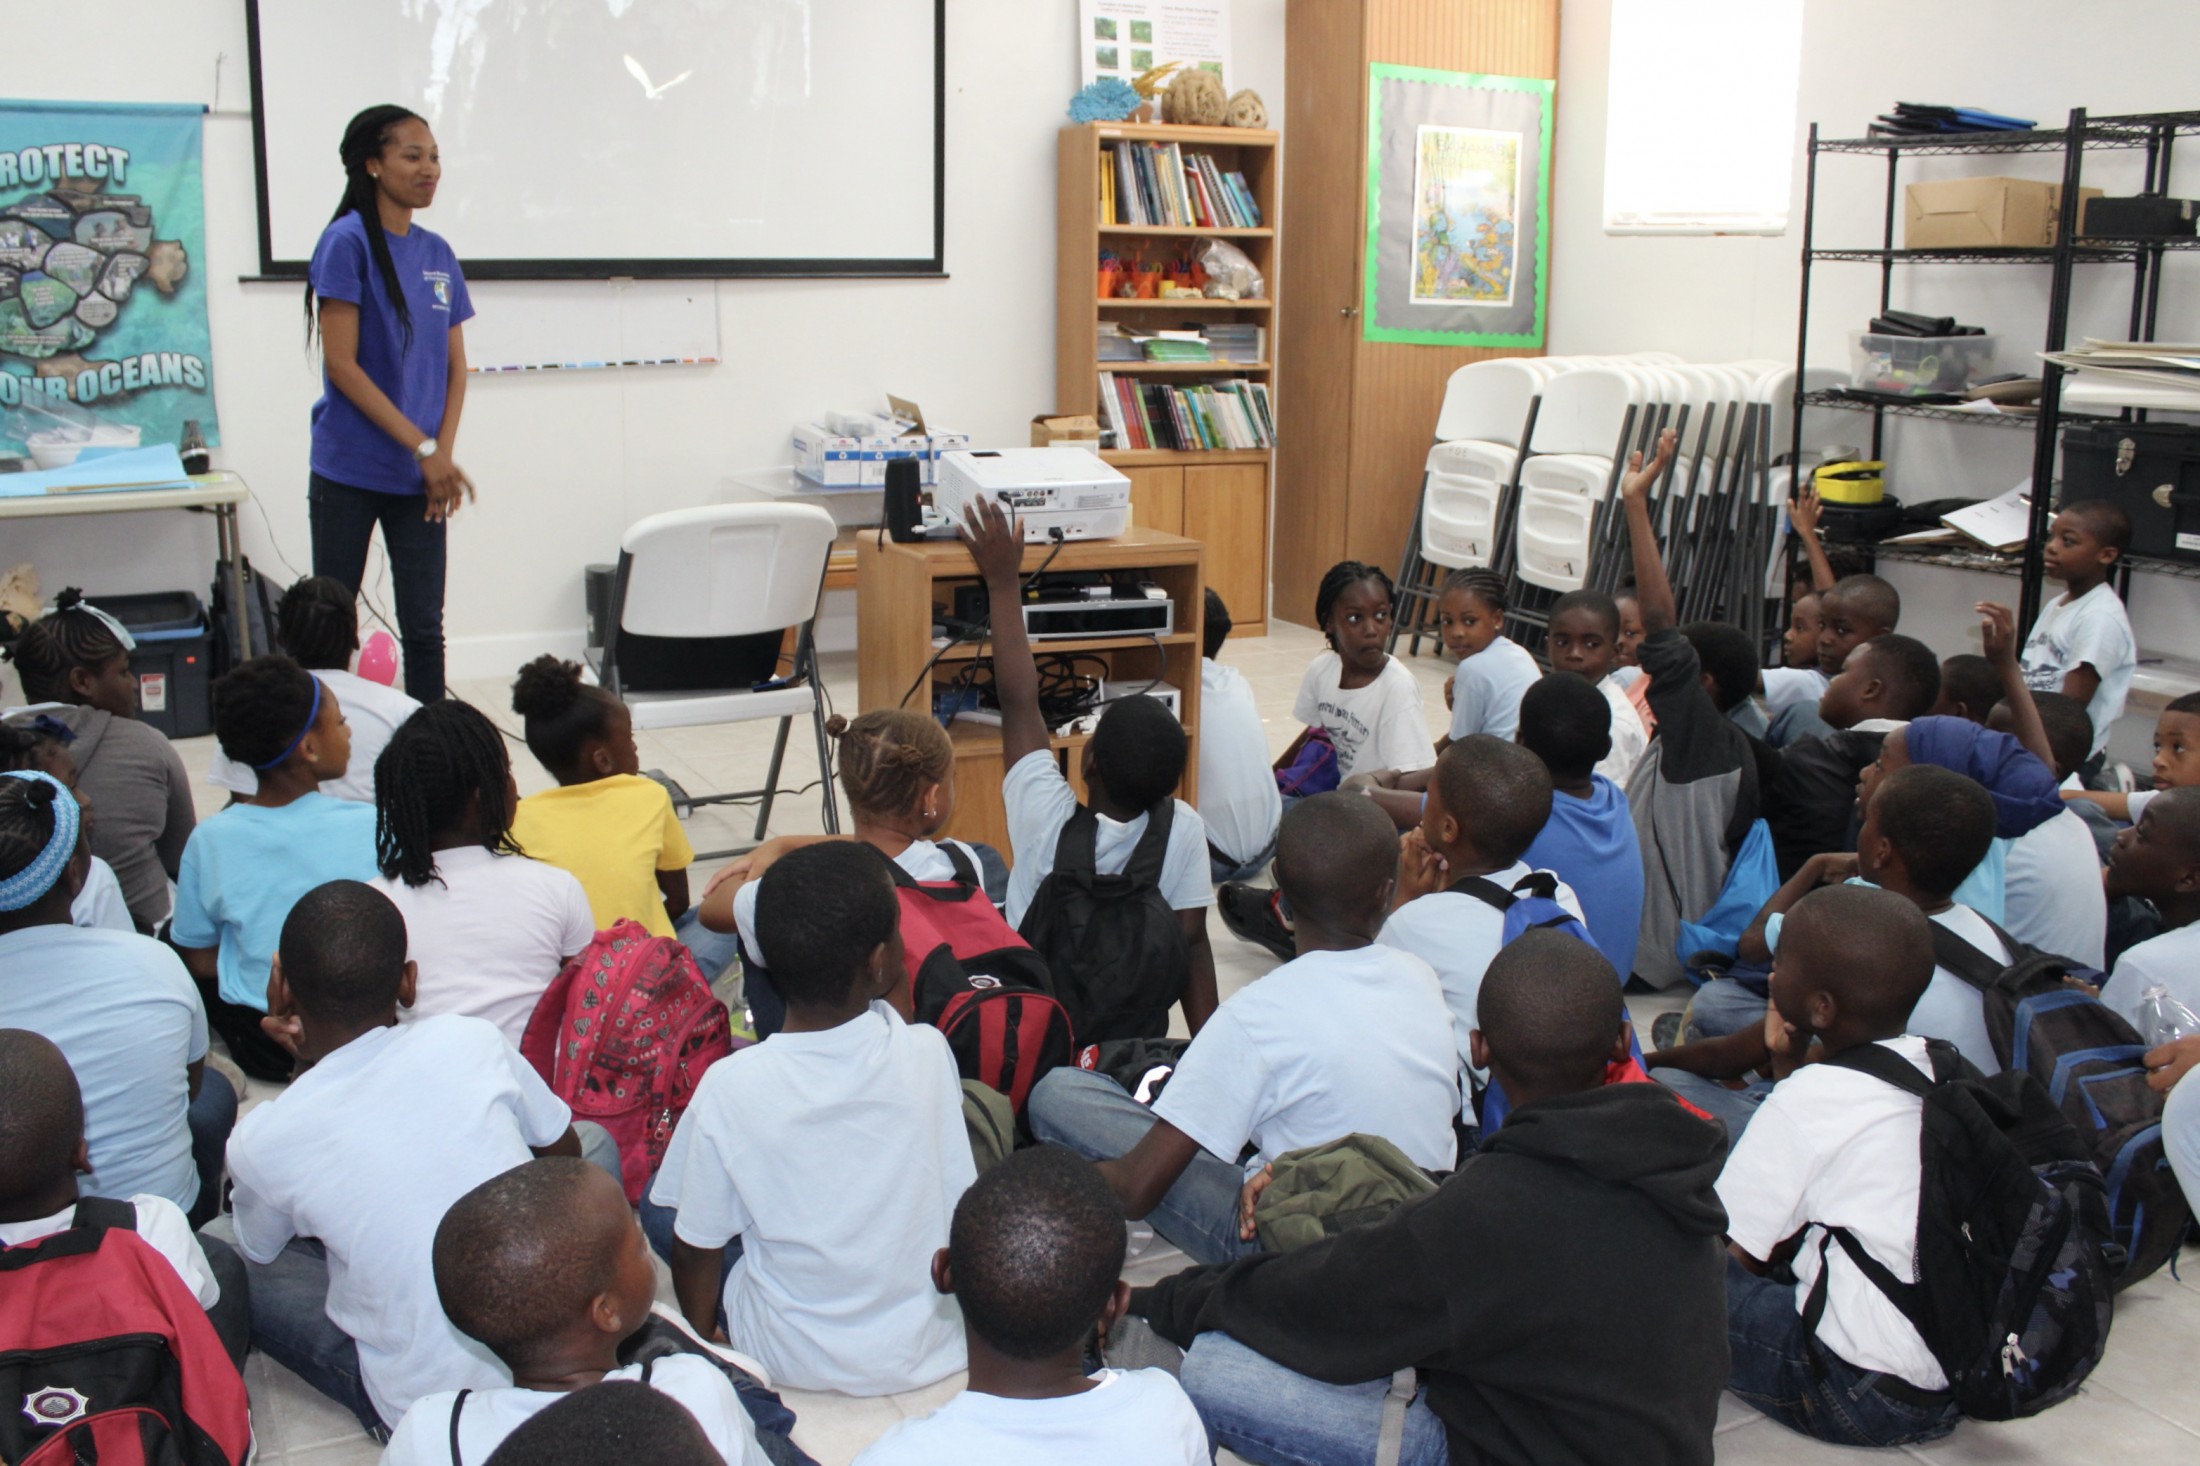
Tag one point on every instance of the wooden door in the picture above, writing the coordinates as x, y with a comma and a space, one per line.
1157, 498
1226, 509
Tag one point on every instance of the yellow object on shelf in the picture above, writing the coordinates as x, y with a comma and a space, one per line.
1853, 482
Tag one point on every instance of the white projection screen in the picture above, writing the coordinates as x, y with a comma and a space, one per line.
597, 138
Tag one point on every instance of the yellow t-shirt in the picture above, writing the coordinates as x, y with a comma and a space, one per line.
614, 835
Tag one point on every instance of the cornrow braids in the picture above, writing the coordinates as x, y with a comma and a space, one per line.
1343, 576
29, 745
59, 642
26, 822
439, 760
1486, 586
888, 757
318, 623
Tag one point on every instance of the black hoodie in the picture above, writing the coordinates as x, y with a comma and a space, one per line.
1563, 1293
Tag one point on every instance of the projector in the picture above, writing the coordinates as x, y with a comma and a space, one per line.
1054, 493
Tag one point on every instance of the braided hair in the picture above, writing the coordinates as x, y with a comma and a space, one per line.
26, 822
1342, 577
30, 746
365, 136
888, 757
1486, 586
441, 759
63, 640
318, 623
561, 711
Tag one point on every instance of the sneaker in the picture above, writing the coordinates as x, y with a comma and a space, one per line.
1665, 1030
1250, 913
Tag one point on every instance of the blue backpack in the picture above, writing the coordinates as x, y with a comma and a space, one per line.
1751, 878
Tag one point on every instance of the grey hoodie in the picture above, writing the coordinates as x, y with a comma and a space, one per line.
140, 798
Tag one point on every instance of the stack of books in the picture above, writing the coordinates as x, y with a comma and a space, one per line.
2112, 375
1117, 344
1157, 183
1198, 417
1238, 341
1176, 346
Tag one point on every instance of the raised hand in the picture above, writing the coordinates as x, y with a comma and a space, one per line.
994, 542
1639, 478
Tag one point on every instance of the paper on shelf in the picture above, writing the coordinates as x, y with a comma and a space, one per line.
2003, 522
138, 468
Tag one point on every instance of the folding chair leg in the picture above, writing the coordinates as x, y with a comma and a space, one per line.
771, 778
825, 768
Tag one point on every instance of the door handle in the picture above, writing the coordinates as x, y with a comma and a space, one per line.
1349, 310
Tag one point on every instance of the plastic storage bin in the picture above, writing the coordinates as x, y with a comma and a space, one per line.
173, 661
1917, 365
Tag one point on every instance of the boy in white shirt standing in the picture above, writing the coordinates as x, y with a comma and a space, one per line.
1348, 1037
814, 1175
1034, 1258
2081, 645
1833, 1147
1238, 799
342, 1180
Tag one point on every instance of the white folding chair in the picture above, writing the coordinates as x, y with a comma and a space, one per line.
1564, 486
721, 572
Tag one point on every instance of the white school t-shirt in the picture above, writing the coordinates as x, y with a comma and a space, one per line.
1951, 1008
1787, 686
837, 1158
2093, 630
1487, 688
1238, 799
1833, 1147
1139, 1415
923, 860
2051, 890
159, 1221
2171, 960
1040, 802
372, 710
99, 905
1630, 739
1328, 1045
490, 934
1458, 935
366, 1151
423, 1437
1379, 726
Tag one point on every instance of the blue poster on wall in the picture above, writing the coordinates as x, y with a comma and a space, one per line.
102, 298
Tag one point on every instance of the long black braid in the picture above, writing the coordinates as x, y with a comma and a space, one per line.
65, 638
1343, 576
318, 623
438, 761
364, 138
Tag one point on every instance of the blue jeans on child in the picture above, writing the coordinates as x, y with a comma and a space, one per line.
1264, 1412
714, 952
291, 1326
1720, 1007
212, 1115
1096, 1117
342, 521
1806, 1387
1730, 1107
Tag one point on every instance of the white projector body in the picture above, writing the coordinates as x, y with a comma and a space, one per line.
1047, 489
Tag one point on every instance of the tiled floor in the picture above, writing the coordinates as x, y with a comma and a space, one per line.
2141, 1405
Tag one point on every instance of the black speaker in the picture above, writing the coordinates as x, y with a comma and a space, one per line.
903, 512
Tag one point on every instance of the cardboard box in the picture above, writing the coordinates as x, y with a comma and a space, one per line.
831, 459
1983, 213
1081, 430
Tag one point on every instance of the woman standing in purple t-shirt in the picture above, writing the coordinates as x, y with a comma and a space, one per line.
390, 302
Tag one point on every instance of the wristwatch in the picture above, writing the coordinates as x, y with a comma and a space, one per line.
425, 451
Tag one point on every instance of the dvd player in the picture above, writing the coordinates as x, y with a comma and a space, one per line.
1097, 616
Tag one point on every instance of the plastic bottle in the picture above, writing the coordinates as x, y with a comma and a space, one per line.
2164, 1020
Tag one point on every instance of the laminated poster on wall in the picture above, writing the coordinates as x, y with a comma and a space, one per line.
102, 293
1124, 38
1458, 183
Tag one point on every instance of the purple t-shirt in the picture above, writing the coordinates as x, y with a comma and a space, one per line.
347, 447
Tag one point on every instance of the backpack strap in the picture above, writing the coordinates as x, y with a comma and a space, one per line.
1390, 1441
1884, 1064
965, 873
1147, 861
1968, 962
457, 1406
1076, 849
965, 876
1485, 890
106, 1214
1537, 883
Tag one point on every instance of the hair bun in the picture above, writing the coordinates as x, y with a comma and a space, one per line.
835, 726
546, 687
41, 794
70, 598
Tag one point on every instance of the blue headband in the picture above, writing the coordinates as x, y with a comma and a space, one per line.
313, 715
29, 885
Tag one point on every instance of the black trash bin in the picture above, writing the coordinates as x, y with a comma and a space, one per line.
173, 661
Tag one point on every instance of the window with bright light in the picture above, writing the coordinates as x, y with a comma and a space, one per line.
1700, 138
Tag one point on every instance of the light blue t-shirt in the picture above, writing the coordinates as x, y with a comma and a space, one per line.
1592, 846
124, 1013
247, 866
1487, 688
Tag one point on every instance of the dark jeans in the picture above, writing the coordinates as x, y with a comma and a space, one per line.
290, 1325
213, 1114
1778, 1369
343, 520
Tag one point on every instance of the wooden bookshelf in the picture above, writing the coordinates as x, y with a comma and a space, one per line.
1220, 498
899, 585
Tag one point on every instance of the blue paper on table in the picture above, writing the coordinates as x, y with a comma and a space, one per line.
135, 468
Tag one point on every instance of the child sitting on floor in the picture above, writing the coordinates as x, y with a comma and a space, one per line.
1494, 670
613, 829
1851, 611
1363, 698
1584, 639
2176, 762
1033, 1259
1797, 679
544, 1266
245, 867
1349, 1037
1238, 799
1589, 841
78, 657
342, 1180
1969, 688
486, 927
42, 744
813, 1176
2081, 645
1810, 795
2158, 861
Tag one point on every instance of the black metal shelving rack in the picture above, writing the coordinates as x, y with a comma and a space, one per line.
2153, 133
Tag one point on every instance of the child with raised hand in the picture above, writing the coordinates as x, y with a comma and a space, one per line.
1584, 639
42, 745
2081, 645
1238, 799
1494, 670
1033, 1259
1362, 697
342, 1179
78, 657
245, 867
545, 1267
486, 927
613, 829
317, 626
809, 1183
1589, 841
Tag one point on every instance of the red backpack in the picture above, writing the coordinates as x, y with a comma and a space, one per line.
105, 1356
623, 1036
975, 980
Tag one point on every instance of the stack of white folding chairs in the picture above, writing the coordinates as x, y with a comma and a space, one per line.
1524, 479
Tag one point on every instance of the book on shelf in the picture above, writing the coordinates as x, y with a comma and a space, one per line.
1150, 183
1187, 417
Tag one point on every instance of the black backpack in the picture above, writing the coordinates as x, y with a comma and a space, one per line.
2093, 1066
2014, 1261
1113, 945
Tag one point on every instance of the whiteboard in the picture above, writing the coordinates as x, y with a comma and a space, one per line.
620, 137
552, 325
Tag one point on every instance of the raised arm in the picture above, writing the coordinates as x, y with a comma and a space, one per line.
1653, 592
999, 551
1998, 633
1804, 512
